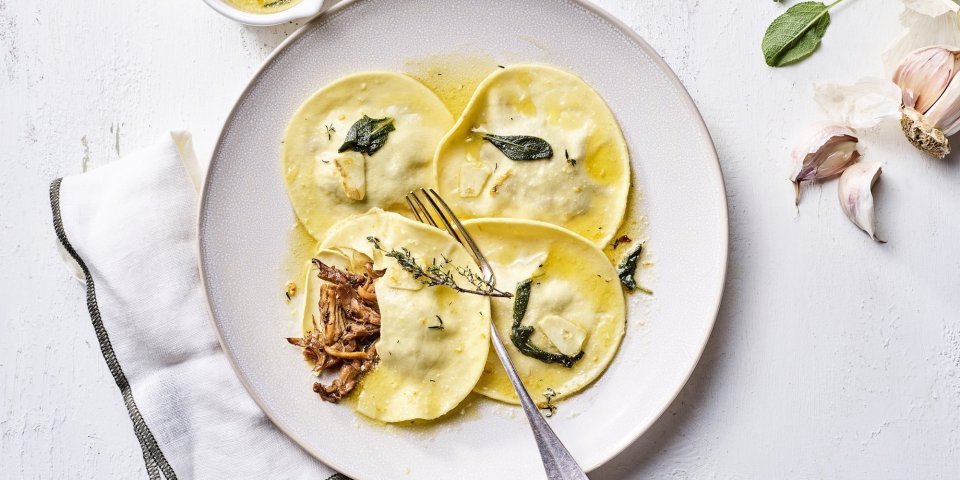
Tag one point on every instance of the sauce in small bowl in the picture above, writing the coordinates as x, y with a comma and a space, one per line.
263, 6
268, 12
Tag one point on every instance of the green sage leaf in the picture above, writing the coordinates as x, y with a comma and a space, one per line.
367, 135
521, 147
796, 33
520, 334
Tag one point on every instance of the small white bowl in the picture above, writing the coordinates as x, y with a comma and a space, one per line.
304, 9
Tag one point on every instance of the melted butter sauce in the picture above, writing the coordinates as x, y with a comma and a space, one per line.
634, 226
452, 76
262, 6
300, 248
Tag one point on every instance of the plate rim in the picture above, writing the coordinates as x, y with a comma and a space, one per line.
715, 169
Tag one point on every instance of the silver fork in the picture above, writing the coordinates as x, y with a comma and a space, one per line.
557, 460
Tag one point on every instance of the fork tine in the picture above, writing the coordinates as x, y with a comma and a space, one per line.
413, 208
443, 218
462, 235
423, 209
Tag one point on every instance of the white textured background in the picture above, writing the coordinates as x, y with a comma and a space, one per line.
833, 356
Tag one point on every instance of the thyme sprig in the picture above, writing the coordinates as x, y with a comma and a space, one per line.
440, 273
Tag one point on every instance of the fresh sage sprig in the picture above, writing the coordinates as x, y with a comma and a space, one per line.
367, 135
796, 33
520, 147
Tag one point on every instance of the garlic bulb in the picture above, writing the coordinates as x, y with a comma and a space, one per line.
822, 151
930, 96
856, 195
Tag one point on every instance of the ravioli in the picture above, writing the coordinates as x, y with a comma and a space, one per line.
325, 185
576, 304
423, 372
583, 187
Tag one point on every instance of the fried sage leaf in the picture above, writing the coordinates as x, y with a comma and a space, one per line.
520, 334
367, 135
521, 147
628, 269
796, 33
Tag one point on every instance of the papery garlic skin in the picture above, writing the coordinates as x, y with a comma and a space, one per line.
931, 8
822, 151
930, 95
855, 190
920, 31
861, 105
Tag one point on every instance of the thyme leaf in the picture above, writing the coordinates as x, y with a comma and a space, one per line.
551, 409
439, 273
520, 334
367, 135
520, 147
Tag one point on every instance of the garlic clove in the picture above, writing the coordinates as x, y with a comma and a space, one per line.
856, 195
351, 167
945, 111
861, 105
924, 75
920, 31
822, 151
923, 135
931, 8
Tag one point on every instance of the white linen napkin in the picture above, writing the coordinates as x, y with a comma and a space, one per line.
129, 231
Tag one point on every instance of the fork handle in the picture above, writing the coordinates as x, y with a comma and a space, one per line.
557, 461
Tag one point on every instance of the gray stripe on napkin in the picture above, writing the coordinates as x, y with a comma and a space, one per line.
152, 455
156, 464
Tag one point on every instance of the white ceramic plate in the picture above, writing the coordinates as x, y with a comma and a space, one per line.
245, 221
